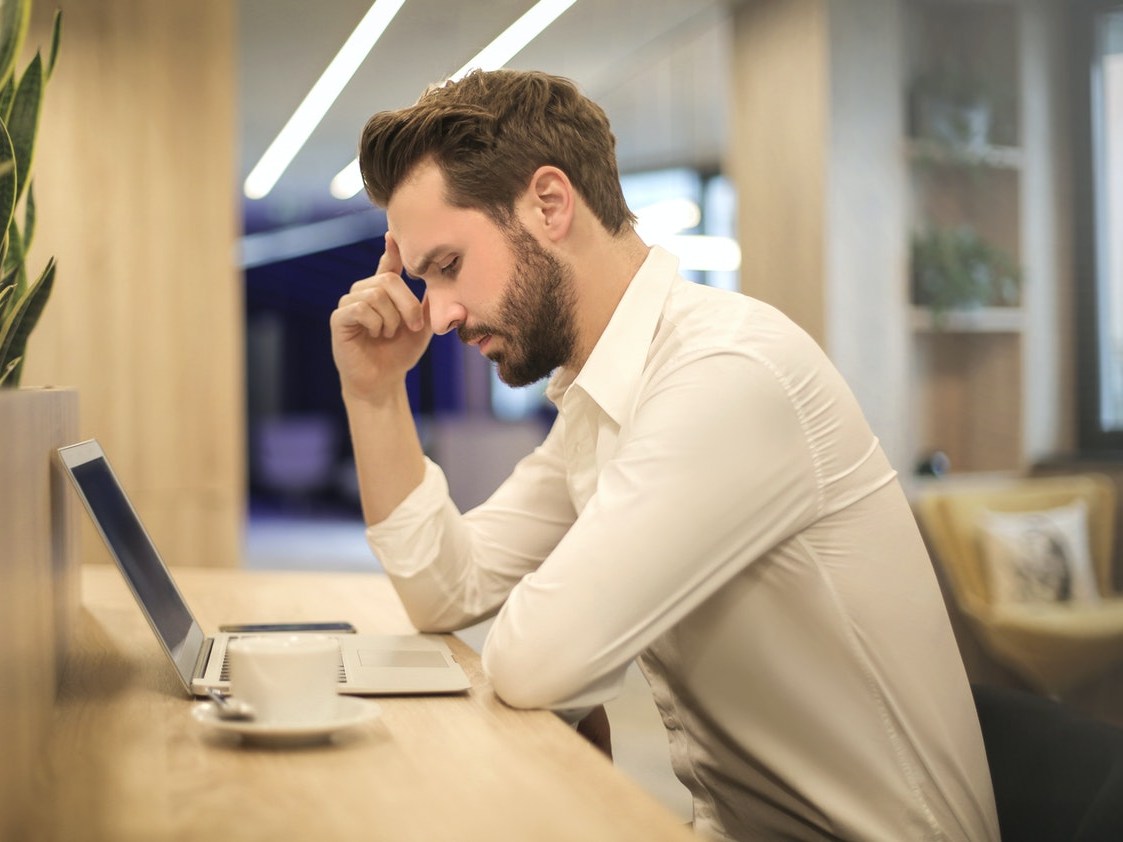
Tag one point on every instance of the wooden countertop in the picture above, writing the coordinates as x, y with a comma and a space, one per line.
127, 761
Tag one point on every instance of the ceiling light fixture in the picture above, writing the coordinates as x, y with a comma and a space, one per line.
311, 111
515, 37
505, 47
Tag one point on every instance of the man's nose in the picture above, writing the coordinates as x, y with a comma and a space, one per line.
445, 313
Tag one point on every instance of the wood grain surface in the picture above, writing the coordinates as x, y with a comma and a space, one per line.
128, 762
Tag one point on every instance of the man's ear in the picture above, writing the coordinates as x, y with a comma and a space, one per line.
552, 202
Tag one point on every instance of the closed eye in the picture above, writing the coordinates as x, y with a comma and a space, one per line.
449, 269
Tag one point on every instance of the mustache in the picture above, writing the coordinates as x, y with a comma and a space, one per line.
467, 335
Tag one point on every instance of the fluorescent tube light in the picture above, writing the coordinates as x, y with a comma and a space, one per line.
505, 47
307, 116
348, 181
516, 36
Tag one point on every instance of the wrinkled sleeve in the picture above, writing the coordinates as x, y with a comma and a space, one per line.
452, 570
716, 469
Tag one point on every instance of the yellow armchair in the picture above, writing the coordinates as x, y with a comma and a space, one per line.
1053, 646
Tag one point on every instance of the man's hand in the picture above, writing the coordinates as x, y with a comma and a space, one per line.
379, 330
595, 728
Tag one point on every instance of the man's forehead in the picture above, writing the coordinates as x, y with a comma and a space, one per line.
426, 227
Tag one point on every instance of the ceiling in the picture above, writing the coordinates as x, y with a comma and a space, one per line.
658, 67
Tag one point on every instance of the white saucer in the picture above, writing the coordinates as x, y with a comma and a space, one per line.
349, 712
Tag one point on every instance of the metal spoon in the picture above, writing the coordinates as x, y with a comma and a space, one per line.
230, 708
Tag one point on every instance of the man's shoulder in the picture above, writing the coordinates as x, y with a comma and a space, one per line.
704, 316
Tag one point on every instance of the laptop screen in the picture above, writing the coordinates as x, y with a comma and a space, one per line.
137, 557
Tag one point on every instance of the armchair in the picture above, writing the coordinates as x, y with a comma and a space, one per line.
1054, 645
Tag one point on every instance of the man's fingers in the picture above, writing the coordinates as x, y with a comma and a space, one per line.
391, 260
406, 304
373, 308
382, 304
354, 312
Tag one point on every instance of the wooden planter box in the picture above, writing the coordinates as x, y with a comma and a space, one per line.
38, 582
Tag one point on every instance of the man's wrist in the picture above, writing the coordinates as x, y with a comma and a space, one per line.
389, 398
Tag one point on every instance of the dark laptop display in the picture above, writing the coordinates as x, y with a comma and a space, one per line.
135, 551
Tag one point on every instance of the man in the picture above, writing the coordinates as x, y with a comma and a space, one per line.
709, 501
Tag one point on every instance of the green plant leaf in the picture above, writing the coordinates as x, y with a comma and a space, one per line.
9, 292
15, 15
7, 178
21, 321
16, 258
29, 217
7, 93
56, 35
8, 369
24, 121
21, 304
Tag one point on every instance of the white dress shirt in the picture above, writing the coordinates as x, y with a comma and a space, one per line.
711, 502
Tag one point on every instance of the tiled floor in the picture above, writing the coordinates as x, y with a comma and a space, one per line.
328, 543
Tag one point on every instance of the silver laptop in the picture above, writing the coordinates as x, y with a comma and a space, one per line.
370, 664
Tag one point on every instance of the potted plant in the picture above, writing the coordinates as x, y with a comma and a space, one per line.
952, 107
956, 269
39, 594
21, 301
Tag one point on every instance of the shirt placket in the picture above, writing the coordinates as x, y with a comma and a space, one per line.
580, 436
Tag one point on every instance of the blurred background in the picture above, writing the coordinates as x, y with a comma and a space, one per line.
913, 182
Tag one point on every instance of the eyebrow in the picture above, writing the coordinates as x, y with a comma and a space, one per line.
426, 262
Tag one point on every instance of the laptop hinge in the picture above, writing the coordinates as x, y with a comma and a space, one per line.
204, 657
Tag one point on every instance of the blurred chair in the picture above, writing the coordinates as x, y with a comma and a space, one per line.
1057, 776
1054, 645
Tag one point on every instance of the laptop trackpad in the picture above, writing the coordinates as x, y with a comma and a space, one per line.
401, 658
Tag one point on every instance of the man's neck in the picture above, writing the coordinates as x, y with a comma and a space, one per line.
602, 275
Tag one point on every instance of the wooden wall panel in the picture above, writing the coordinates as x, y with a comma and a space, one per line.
778, 155
970, 399
136, 185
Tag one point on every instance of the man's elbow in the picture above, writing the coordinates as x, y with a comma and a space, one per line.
434, 614
528, 681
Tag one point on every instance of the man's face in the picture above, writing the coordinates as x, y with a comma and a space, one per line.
497, 286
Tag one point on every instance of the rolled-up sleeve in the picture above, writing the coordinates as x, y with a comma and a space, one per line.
452, 570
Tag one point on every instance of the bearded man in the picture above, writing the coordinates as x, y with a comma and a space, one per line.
710, 501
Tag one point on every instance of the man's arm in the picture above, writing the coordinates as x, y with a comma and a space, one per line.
379, 331
388, 455
714, 471
451, 570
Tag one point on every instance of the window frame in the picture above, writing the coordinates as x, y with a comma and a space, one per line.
1092, 438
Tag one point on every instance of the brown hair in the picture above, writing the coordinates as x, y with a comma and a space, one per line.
488, 133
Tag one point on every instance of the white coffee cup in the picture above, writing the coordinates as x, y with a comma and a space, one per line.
286, 679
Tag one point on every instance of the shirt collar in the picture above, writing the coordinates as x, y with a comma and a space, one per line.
612, 372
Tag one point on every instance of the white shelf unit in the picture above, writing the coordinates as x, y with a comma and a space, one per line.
967, 365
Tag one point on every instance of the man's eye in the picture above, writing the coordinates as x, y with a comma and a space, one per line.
451, 267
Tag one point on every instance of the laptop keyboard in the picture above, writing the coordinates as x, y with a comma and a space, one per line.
224, 673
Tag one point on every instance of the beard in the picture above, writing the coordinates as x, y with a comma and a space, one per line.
536, 314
